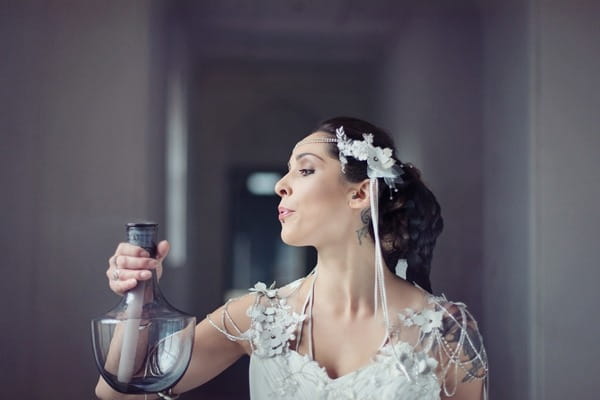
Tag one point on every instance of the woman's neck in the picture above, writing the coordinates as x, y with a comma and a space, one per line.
346, 278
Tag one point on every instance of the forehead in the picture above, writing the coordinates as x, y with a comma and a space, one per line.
317, 142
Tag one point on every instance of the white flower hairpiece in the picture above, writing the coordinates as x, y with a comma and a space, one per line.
380, 163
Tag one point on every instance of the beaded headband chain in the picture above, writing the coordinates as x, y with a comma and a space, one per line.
380, 163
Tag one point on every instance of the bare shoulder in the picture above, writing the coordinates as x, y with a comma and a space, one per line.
404, 295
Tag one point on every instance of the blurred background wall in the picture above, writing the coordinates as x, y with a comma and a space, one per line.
104, 104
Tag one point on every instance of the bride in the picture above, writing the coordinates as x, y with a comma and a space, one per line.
364, 323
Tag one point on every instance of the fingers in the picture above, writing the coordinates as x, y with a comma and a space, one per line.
123, 275
128, 249
162, 249
122, 280
129, 262
122, 286
129, 265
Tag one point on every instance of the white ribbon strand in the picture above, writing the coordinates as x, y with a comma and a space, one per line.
379, 293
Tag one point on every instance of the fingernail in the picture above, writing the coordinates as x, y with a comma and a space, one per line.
146, 274
144, 253
153, 263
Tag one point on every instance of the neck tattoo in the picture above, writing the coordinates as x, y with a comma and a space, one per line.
364, 230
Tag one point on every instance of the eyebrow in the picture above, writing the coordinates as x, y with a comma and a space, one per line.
299, 156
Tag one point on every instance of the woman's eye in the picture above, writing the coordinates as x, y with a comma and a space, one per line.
306, 171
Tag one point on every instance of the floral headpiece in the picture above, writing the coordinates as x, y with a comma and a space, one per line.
380, 163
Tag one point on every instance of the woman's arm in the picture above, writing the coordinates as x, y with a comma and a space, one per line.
212, 351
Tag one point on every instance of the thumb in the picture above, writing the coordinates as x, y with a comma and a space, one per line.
162, 249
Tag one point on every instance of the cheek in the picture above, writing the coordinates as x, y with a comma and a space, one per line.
320, 209
323, 207
322, 198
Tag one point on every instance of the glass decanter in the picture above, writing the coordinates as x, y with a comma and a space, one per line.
143, 345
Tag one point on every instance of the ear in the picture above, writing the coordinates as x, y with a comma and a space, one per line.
359, 195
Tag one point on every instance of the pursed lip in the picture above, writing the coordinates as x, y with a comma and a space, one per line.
284, 212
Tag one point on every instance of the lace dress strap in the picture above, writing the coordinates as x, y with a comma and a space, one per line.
272, 323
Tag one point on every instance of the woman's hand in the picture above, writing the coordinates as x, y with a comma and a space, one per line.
131, 264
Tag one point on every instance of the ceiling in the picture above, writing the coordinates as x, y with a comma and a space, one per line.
290, 30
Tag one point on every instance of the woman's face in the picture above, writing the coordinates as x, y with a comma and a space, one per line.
314, 195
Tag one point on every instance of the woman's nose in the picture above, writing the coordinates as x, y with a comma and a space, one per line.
282, 188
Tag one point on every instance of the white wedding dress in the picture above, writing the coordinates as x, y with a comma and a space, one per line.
423, 349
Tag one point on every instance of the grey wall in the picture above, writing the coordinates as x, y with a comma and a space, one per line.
78, 159
565, 165
541, 195
507, 291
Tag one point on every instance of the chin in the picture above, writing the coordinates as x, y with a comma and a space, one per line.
292, 240
288, 240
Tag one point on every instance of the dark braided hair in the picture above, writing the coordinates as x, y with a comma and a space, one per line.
409, 222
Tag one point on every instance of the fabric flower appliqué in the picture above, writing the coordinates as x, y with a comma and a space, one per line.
415, 363
427, 320
261, 288
424, 364
379, 160
273, 325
